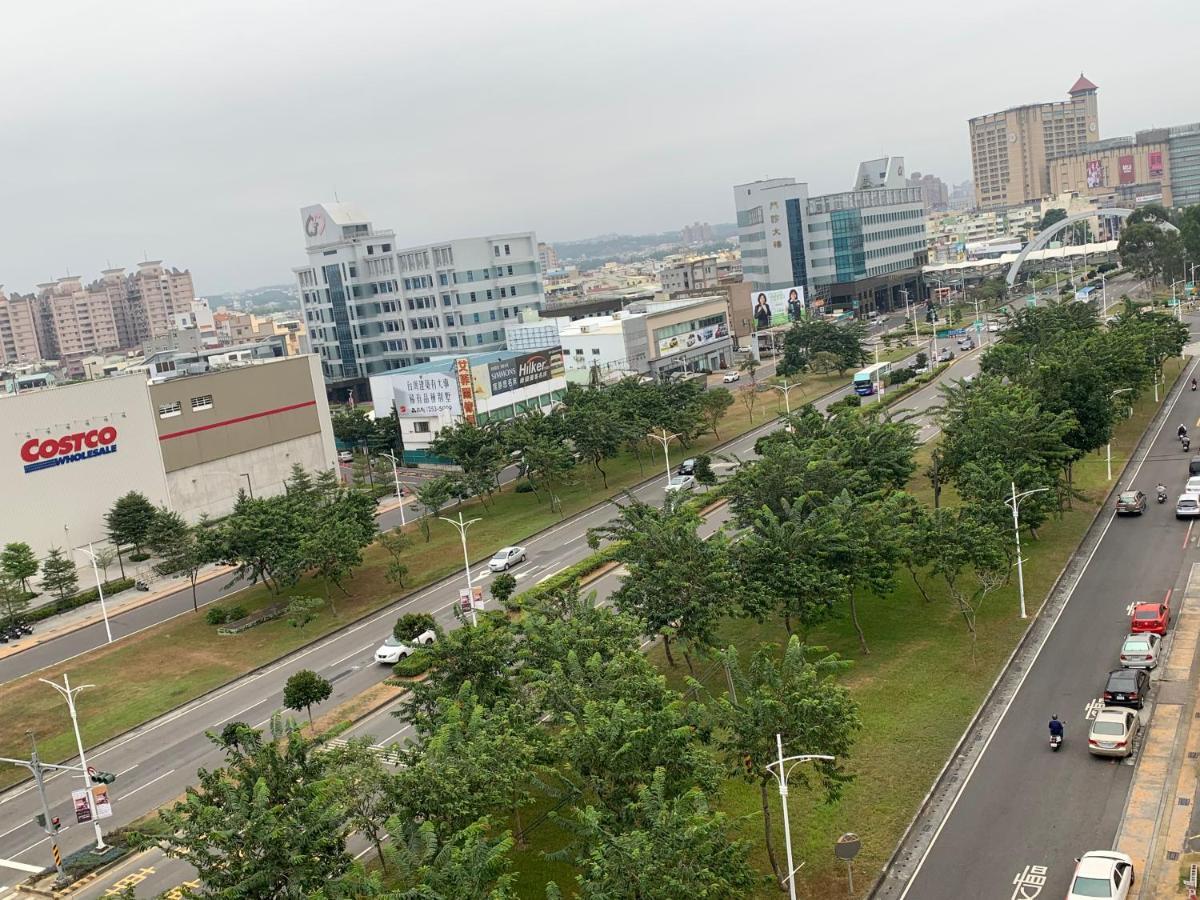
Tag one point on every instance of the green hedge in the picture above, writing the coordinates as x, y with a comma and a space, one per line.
559, 580
81, 599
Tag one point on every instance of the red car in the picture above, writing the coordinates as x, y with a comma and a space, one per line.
1155, 617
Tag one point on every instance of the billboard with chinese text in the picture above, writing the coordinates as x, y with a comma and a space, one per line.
1125, 167
416, 394
525, 370
1156, 163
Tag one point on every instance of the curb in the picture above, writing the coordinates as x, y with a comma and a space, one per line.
1034, 617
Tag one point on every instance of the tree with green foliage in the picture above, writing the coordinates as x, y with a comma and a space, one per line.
303, 689
676, 582
548, 462
476, 449
796, 696
1051, 217
675, 846
182, 549
333, 534
704, 471
1152, 251
263, 825
473, 862
352, 425
365, 788
303, 610
714, 404
19, 563
409, 625
1189, 232
805, 340
59, 576
128, 521
395, 543
433, 494
503, 586
14, 599
750, 365
591, 421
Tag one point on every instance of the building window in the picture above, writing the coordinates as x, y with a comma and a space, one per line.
167, 410
420, 428
507, 252
497, 249
202, 403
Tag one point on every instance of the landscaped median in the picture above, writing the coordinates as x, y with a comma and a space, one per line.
129, 674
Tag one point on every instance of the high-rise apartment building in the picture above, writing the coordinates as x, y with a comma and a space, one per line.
372, 307
74, 322
851, 250
547, 257
935, 191
18, 331
156, 298
1011, 150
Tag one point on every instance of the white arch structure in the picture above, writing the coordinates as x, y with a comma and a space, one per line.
1044, 237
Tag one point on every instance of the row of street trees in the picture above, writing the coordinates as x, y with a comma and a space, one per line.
561, 706
1156, 252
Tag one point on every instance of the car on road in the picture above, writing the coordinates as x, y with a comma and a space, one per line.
965, 344
1131, 503
687, 467
1154, 617
1140, 651
1193, 485
681, 483
993, 327
945, 355
1194, 466
1187, 506
346, 456
506, 558
1127, 687
730, 377
393, 649
1112, 732
1101, 873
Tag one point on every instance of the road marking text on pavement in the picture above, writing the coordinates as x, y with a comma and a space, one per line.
1093, 708
1029, 883
133, 879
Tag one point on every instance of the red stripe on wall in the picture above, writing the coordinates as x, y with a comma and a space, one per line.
257, 415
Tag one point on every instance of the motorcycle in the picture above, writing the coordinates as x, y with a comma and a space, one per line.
1185, 442
1162, 496
1055, 742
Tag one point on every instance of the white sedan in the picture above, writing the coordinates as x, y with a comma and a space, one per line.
1102, 873
394, 649
1193, 485
730, 377
681, 483
506, 558
1140, 651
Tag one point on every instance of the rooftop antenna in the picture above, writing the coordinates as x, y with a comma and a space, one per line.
336, 199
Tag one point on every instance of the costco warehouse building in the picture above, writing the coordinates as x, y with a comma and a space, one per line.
188, 443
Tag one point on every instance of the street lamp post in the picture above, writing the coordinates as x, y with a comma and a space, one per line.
664, 439
1014, 502
68, 694
37, 769
396, 478
462, 533
785, 389
1103, 294
99, 589
1175, 303
1108, 451
776, 768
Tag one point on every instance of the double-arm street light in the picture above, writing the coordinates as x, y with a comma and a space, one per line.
462, 533
663, 438
777, 768
68, 694
1014, 503
99, 587
1108, 451
785, 389
396, 478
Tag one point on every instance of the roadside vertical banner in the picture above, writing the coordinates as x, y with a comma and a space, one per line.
83, 808
470, 597
101, 802
1125, 166
466, 389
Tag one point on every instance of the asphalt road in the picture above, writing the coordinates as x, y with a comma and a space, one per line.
156, 762
1022, 805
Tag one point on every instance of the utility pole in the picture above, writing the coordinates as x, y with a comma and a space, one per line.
36, 768
68, 694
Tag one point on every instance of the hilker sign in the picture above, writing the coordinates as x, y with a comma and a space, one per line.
40, 454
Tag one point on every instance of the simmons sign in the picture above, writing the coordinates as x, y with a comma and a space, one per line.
39, 454
524, 370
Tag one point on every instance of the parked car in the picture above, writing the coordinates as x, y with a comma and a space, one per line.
346, 456
993, 327
1112, 732
1187, 506
1140, 651
681, 483
1127, 687
687, 467
506, 558
965, 344
1131, 503
1155, 617
1193, 485
1101, 873
730, 377
1194, 466
393, 649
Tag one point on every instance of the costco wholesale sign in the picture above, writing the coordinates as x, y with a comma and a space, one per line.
38, 454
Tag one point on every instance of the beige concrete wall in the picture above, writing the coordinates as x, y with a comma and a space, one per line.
1069, 173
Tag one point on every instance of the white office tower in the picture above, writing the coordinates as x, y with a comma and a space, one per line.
372, 307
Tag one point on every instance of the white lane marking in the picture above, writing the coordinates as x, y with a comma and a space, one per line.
20, 867
350, 654
31, 846
232, 717
962, 787
387, 740
128, 794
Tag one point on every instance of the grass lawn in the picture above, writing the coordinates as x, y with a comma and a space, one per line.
916, 691
131, 689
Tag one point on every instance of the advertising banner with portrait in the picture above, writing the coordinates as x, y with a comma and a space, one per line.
1095, 173
777, 307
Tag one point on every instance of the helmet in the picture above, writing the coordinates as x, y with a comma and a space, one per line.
1054, 718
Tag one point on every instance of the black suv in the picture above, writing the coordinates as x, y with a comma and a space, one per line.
1127, 687
687, 467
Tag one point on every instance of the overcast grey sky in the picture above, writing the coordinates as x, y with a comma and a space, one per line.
194, 131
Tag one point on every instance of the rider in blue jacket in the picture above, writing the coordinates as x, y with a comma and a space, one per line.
1056, 727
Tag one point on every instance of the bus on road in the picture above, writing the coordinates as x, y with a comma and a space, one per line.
864, 381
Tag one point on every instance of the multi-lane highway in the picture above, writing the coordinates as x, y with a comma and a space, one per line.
1017, 806
156, 762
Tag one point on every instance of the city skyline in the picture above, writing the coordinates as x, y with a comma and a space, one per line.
199, 140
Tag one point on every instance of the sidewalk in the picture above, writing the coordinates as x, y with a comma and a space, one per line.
1157, 827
